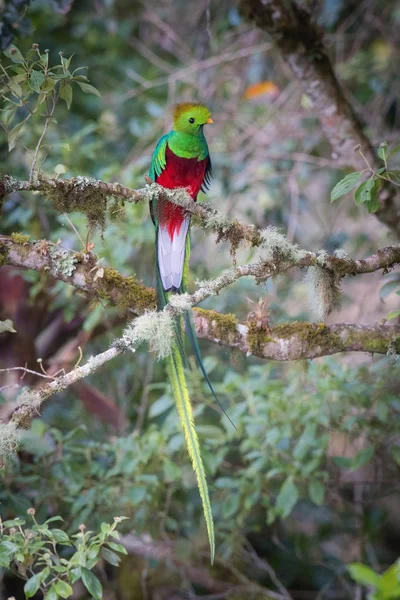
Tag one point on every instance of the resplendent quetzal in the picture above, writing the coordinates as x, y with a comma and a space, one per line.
181, 160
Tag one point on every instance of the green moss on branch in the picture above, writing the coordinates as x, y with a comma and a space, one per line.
220, 326
126, 292
20, 238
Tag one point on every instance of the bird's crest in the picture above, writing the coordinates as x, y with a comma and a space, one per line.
188, 115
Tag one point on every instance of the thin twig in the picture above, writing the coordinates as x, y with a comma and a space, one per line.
38, 145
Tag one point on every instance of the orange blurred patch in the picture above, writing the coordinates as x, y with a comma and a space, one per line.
263, 88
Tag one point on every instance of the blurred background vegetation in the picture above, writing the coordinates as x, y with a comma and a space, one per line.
310, 481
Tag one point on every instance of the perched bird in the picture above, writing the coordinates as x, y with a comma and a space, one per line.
181, 159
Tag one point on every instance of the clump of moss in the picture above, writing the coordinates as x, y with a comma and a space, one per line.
180, 302
217, 221
257, 337
323, 291
220, 326
126, 291
277, 249
3, 255
227, 230
155, 328
81, 194
309, 333
20, 238
117, 211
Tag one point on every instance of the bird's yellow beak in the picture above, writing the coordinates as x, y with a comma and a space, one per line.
209, 121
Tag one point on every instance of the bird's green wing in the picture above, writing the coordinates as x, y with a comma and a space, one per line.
158, 163
158, 160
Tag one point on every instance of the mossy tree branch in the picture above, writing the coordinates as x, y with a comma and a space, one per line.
290, 341
286, 342
300, 42
89, 196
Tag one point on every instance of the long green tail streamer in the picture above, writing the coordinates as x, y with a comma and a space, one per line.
181, 395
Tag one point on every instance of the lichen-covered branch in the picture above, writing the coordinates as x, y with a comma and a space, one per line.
300, 42
90, 197
30, 400
297, 340
79, 270
276, 256
288, 342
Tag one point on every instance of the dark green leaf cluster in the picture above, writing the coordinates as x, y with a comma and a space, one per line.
50, 560
367, 192
31, 86
382, 587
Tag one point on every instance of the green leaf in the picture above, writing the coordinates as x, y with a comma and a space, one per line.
14, 54
117, 547
32, 585
137, 495
389, 287
382, 151
363, 192
87, 88
359, 460
393, 314
160, 406
230, 506
344, 186
6, 554
389, 585
367, 194
36, 79
44, 59
316, 489
15, 87
171, 471
92, 583
63, 589
60, 537
110, 557
51, 594
373, 204
66, 94
364, 575
48, 85
287, 498
14, 523
52, 519
14, 133
393, 152
66, 62
105, 528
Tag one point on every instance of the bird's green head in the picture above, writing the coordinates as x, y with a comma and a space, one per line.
190, 118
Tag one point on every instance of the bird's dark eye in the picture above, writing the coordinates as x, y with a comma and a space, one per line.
191, 120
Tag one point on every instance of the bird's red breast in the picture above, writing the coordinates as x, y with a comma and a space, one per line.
179, 172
